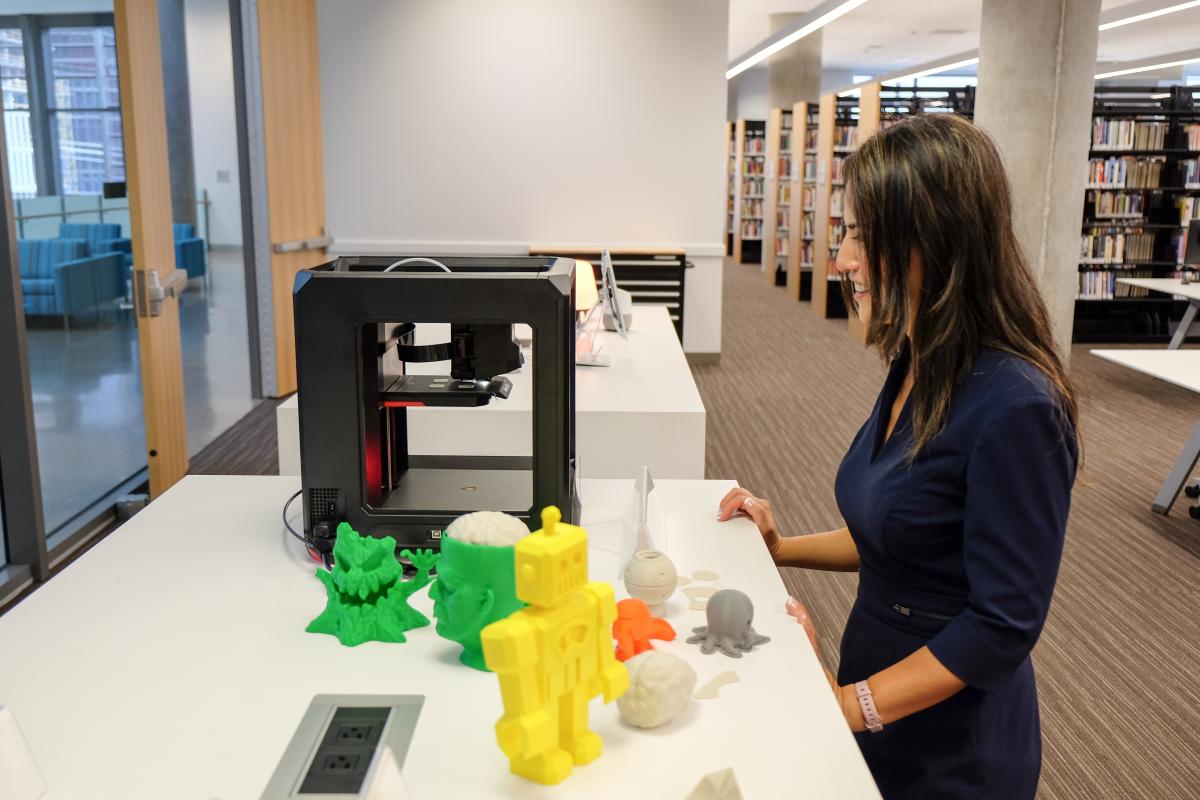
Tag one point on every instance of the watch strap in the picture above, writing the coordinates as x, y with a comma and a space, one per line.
867, 703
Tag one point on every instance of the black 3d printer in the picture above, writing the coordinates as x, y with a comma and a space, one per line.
356, 319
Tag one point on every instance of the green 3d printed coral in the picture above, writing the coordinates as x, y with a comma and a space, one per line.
367, 596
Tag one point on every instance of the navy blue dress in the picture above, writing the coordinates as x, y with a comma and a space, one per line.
959, 550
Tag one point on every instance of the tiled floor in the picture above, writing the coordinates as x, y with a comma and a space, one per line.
87, 399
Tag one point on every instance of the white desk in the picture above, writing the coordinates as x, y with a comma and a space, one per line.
1173, 286
171, 662
1182, 368
643, 410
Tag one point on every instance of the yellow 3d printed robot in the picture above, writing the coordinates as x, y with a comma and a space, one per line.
553, 656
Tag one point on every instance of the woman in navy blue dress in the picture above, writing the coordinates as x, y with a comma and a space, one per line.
955, 492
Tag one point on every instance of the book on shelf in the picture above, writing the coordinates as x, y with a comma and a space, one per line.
1116, 204
810, 138
752, 166
810, 168
1192, 133
1128, 134
753, 187
752, 209
1126, 172
1189, 173
808, 197
837, 198
781, 246
1188, 208
807, 226
1115, 245
806, 254
843, 136
1101, 284
752, 229
837, 169
784, 197
781, 221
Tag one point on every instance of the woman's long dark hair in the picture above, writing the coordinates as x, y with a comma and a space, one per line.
934, 186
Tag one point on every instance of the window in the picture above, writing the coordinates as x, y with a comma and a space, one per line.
17, 132
83, 103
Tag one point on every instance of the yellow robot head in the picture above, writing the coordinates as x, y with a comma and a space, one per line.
551, 562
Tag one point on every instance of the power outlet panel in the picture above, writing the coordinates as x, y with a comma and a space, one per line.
339, 748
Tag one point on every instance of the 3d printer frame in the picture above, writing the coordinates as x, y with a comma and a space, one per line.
354, 325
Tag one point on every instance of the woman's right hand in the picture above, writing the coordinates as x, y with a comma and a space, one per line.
758, 510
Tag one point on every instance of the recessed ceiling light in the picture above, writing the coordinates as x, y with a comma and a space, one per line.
1149, 15
769, 50
1147, 68
953, 31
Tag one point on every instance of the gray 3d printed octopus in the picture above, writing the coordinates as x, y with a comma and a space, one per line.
729, 613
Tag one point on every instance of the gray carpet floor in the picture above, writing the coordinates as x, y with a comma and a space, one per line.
1118, 662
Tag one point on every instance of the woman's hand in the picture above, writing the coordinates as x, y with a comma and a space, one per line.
758, 510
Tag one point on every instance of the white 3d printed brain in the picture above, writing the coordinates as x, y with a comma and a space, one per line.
487, 527
660, 686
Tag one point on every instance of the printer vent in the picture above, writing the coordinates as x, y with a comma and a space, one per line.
324, 505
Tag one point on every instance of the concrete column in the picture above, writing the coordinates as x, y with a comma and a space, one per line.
794, 73
1037, 59
179, 110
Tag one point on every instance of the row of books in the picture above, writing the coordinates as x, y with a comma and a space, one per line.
810, 138
1179, 245
1101, 284
837, 200
785, 141
752, 209
1193, 136
753, 186
755, 144
1128, 134
806, 226
752, 228
843, 136
807, 197
837, 170
785, 168
837, 231
1189, 209
753, 166
1112, 247
1127, 172
781, 245
785, 194
1189, 171
806, 251
781, 221
1116, 204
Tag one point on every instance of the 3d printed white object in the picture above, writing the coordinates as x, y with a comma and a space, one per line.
660, 686
650, 577
493, 528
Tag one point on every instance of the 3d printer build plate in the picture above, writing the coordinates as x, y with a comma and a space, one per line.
507, 487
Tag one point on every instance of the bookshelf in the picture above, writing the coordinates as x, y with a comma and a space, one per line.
837, 124
750, 185
731, 173
1141, 191
869, 106
800, 211
776, 220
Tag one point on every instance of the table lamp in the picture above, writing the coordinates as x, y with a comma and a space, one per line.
586, 294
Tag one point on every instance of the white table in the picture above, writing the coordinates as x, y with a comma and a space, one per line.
1179, 367
644, 409
171, 662
1173, 286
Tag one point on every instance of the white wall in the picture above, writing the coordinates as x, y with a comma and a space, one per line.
471, 126
214, 121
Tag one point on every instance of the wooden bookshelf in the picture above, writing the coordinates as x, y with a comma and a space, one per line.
868, 124
776, 222
836, 125
800, 212
751, 190
731, 173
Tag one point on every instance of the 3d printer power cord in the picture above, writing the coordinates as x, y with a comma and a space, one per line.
309, 544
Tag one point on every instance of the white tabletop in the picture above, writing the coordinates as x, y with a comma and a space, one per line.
171, 661
1166, 286
1180, 367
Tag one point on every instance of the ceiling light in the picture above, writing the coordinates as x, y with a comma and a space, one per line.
1147, 68
774, 47
1149, 15
966, 62
1162, 96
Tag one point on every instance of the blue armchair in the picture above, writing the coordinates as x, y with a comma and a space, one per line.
189, 251
59, 278
101, 238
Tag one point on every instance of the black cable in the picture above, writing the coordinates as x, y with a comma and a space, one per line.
286, 524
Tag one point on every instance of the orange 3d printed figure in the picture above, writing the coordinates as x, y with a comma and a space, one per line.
635, 627
553, 656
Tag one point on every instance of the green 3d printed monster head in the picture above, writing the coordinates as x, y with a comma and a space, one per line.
476, 583
366, 598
